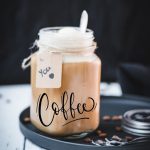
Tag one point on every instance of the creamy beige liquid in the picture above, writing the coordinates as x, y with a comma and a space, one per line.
80, 77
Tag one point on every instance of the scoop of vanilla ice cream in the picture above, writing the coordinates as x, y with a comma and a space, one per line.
70, 33
66, 38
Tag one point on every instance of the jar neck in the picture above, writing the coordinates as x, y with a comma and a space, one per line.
82, 51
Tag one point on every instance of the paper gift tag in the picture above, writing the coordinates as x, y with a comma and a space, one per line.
49, 70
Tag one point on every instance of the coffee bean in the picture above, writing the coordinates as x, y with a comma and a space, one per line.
27, 119
87, 140
128, 138
117, 138
103, 135
120, 117
116, 118
107, 118
118, 128
98, 132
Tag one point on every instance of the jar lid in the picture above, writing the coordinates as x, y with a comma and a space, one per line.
137, 122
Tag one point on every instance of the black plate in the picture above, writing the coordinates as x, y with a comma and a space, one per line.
109, 106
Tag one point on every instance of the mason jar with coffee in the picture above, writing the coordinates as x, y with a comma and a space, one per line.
65, 80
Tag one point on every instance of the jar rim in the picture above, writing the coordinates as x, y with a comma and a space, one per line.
50, 37
60, 27
89, 34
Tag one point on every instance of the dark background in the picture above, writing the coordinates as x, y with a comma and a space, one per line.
122, 30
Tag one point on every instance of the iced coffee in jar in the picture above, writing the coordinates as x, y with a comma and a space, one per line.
65, 80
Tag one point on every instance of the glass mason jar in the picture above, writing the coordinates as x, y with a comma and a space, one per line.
72, 108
